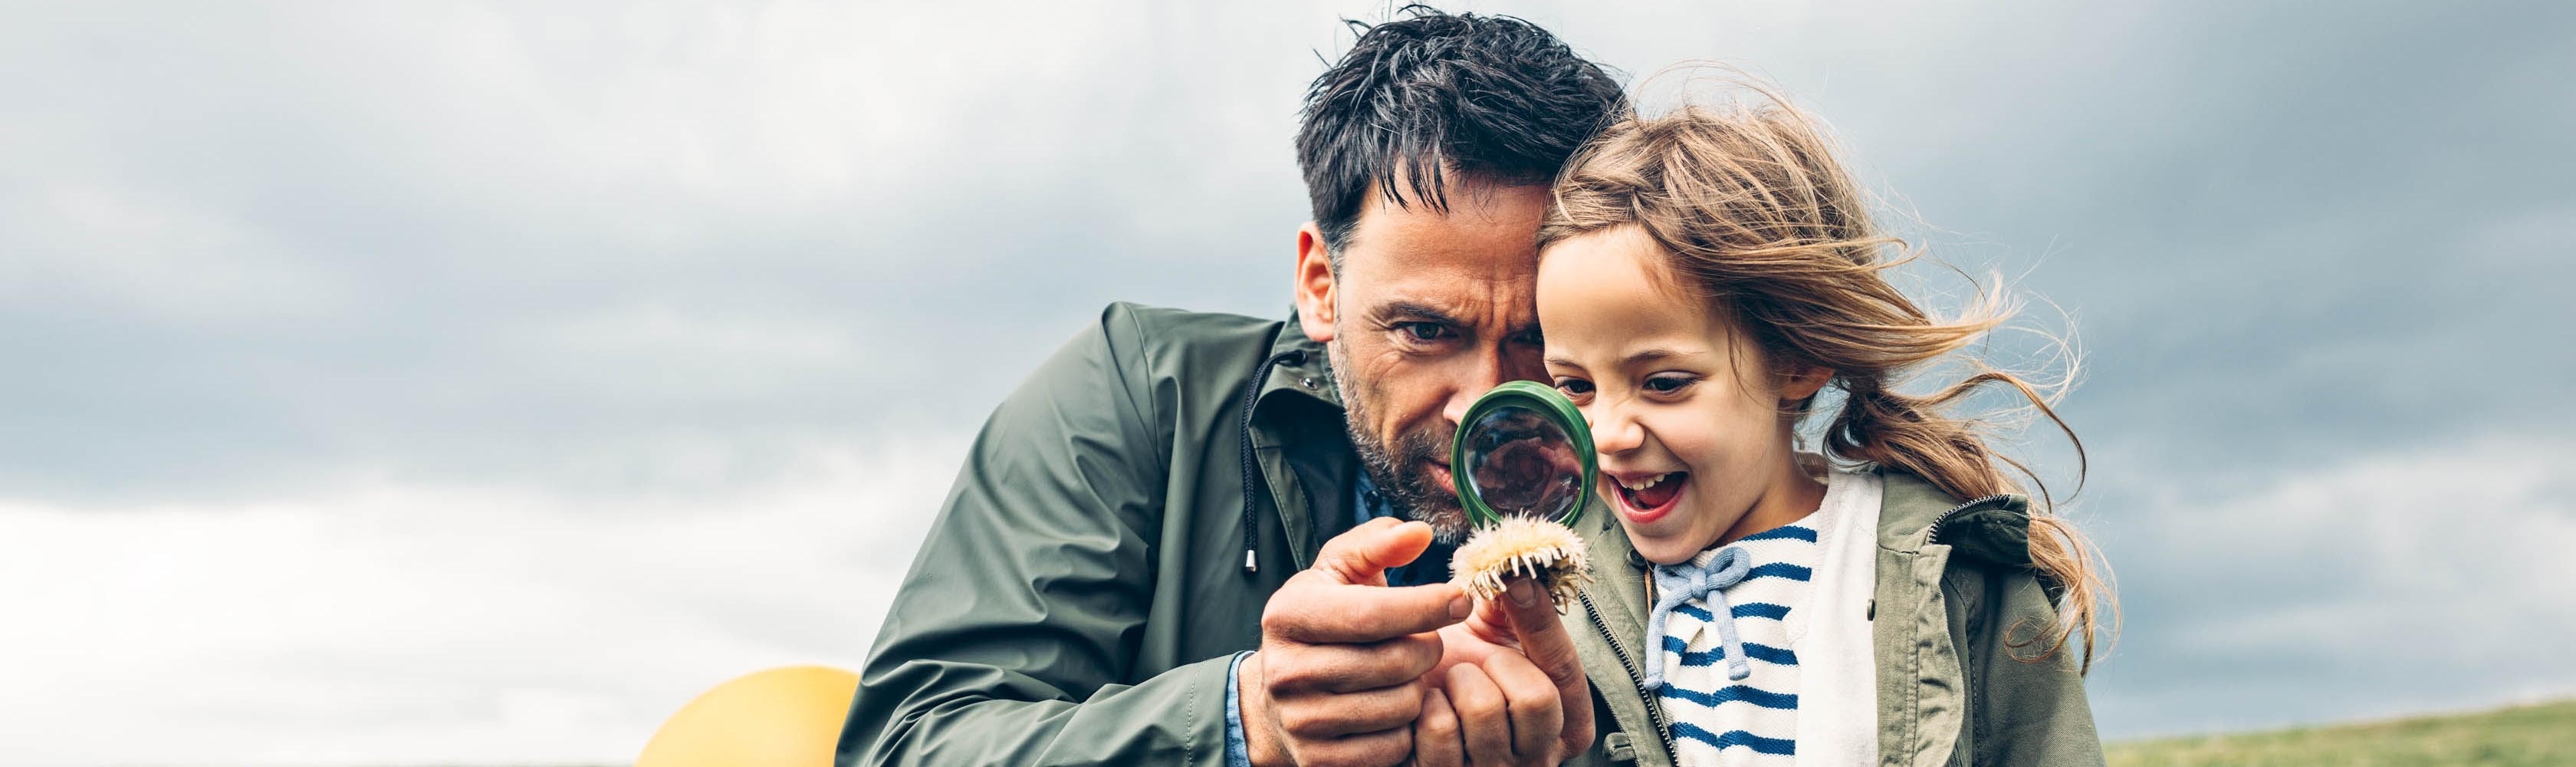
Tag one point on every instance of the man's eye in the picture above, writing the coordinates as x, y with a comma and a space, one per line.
1424, 331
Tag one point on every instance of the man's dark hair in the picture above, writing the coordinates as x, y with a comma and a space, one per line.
1493, 98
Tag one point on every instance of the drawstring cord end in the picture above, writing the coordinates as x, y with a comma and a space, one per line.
1243, 443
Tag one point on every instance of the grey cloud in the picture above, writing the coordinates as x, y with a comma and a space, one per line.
430, 210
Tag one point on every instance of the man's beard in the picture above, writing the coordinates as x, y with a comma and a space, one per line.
1402, 474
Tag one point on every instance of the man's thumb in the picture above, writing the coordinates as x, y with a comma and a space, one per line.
1363, 554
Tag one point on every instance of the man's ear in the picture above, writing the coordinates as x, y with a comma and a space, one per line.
1804, 382
1316, 309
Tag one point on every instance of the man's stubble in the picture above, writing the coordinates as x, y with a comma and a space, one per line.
1402, 472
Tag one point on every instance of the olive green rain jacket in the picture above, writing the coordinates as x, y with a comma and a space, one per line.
1081, 594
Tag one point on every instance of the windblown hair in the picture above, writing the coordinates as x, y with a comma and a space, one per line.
1754, 214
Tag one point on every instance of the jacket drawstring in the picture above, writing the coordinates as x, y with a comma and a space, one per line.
1252, 392
1684, 581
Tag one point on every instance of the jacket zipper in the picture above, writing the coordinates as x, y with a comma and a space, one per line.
1654, 711
1944, 519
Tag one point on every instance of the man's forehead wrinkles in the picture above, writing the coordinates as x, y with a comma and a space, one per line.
1513, 297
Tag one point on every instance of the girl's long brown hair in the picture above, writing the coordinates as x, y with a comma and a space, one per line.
1755, 214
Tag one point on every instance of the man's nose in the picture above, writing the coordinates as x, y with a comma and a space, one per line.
1489, 371
1456, 409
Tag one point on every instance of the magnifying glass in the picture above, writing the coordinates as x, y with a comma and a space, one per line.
1523, 450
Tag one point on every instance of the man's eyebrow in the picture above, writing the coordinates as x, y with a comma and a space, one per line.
1416, 311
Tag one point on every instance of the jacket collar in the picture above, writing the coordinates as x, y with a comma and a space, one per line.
1309, 375
1994, 530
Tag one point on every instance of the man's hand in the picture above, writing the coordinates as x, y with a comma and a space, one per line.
1511, 691
1339, 676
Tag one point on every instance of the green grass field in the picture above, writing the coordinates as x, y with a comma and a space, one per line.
2526, 736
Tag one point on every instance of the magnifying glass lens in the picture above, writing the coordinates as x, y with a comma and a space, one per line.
1522, 463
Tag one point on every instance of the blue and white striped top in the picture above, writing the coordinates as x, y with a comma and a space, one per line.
1716, 721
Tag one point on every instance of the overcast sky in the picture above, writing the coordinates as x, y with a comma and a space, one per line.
475, 383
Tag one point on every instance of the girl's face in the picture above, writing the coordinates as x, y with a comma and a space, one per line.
1685, 412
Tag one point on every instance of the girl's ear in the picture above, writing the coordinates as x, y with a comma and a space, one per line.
1804, 382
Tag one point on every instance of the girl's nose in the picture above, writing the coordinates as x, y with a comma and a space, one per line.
1614, 433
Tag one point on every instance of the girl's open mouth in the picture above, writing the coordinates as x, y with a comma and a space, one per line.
1649, 499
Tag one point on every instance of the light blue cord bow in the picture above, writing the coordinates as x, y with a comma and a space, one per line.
1683, 582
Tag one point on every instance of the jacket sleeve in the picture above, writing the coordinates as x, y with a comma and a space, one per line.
2028, 712
1013, 636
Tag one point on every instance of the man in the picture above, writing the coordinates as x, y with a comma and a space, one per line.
1180, 540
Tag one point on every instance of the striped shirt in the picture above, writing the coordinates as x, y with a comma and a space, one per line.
1717, 721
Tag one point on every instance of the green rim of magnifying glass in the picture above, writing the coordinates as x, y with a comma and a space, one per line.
1548, 403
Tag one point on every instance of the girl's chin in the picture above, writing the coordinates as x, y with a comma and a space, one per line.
1664, 540
1663, 551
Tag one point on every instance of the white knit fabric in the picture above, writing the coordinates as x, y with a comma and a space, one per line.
1838, 711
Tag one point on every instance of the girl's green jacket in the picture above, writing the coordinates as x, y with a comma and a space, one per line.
1955, 594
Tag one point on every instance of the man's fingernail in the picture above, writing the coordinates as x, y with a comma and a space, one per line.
1461, 606
1524, 594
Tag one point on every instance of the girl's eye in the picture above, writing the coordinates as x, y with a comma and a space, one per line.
1667, 384
1574, 387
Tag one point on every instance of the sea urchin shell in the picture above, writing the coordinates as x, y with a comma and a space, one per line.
1522, 546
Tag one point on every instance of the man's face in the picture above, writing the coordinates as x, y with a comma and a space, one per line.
1428, 311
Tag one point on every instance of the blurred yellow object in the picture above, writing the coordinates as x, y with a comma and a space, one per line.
782, 717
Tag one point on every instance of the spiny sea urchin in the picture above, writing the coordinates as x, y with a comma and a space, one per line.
1547, 551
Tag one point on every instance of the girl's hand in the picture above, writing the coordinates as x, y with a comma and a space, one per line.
1509, 689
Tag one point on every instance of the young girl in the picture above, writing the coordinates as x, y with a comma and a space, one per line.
1703, 276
